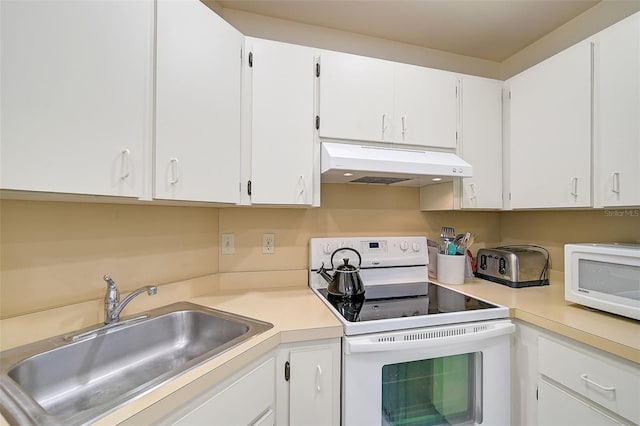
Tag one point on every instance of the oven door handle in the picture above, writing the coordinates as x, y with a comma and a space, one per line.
373, 345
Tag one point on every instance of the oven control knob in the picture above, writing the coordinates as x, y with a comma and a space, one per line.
326, 249
404, 246
416, 247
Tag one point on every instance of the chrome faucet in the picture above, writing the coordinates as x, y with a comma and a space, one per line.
112, 305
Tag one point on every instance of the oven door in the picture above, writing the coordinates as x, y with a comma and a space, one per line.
455, 374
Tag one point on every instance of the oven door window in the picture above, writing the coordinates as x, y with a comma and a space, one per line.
438, 391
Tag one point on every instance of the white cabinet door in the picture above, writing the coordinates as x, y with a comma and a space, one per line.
76, 101
426, 106
356, 97
481, 142
308, 384
550, 132
198, 71
617, 115
283, 78
370, 99
558, 408
312, 387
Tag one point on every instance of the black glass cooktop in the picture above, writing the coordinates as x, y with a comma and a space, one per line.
405, 300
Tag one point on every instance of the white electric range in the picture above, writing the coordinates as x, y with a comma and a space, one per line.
414, 352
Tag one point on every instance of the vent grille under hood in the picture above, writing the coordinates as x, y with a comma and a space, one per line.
350, 163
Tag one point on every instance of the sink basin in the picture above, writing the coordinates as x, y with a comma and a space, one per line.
77, 378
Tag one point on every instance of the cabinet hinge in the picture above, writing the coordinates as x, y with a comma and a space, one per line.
250, 59
509, 94
287, 371
249, 187
317, 122
317, 69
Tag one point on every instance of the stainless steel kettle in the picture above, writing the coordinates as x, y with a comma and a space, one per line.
346, 281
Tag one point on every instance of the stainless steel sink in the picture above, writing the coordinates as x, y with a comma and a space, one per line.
77, 378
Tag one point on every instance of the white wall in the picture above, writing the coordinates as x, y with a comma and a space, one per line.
326, 38
588, 23
584, 25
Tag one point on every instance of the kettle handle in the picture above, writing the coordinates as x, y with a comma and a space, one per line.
346, 248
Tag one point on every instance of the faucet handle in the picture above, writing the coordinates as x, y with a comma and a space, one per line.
109, 281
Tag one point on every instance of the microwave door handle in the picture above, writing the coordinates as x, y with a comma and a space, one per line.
367, 345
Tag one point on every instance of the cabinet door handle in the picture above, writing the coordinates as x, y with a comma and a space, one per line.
472, 186
404, 125
125, 163
384, 124
574, 186
301, 185
598, 385
615, 182
318, 378
174, 172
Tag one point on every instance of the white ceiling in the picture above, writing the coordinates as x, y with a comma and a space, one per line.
486, 29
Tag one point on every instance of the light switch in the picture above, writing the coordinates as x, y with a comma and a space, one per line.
228, 244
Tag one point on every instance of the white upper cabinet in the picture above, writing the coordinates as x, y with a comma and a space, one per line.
367, 99
550, 132
198, 74
481, 142
76, 101
356, 97
282, 82
425, 110
617, 114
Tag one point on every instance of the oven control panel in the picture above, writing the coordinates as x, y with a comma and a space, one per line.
374, 251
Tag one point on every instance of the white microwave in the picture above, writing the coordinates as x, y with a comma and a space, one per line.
604, 277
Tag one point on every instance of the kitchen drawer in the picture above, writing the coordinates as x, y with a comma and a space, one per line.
247, 401
611, 382
559, 408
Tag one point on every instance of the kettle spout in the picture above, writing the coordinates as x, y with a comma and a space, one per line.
324, 274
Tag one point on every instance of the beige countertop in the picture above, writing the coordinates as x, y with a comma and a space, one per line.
545, 307
298, 315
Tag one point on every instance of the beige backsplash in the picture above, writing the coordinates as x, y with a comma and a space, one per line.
55, 253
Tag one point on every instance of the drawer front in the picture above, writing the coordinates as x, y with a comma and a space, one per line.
558, 408
247, 401
605, 380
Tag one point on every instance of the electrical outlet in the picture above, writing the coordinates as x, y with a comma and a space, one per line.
268, 243
228, 244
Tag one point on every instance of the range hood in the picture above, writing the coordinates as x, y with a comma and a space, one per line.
388, 165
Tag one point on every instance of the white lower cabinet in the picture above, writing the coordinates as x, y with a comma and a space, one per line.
249, 400
308, 383
557, 381
260, 394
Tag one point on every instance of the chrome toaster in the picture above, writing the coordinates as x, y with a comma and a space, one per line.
515, 266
